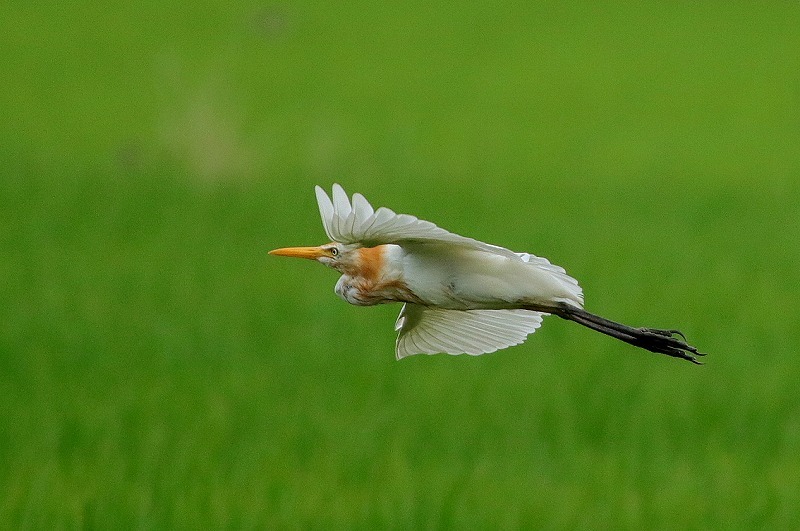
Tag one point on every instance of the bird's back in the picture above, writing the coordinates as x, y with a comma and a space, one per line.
466, 278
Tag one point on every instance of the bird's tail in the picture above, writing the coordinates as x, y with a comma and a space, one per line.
652, 339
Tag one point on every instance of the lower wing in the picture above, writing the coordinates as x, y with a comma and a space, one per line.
427, 330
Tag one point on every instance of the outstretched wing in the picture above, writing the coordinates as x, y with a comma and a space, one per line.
426, 330
358, 222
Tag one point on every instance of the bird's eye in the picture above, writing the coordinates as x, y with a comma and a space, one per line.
334, 251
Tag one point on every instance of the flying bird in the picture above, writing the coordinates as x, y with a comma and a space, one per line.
459, 295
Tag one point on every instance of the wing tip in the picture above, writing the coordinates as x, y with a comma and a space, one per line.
326, 210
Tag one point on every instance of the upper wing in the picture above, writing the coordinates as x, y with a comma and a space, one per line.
426, 330
358, 222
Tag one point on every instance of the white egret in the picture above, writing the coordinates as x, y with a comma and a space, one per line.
459, 295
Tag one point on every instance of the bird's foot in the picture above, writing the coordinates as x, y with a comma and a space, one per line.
673, 346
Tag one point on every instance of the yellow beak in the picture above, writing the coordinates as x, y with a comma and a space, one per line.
310, 253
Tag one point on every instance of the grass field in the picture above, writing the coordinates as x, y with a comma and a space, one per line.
159, 370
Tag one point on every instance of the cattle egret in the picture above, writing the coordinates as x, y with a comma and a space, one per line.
459, 295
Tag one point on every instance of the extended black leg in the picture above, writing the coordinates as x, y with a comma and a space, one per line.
652, 339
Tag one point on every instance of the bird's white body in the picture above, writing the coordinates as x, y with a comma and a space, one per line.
463, 278
475, 279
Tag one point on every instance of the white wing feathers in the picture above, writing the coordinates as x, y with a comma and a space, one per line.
360, 223
425, 330
556, 271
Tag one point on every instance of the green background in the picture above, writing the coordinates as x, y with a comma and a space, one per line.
158, 369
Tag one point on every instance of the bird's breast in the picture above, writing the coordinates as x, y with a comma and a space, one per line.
368, 292
376, 278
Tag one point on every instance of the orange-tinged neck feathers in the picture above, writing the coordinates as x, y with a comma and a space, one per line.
370, 263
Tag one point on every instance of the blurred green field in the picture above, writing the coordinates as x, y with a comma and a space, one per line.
159, 370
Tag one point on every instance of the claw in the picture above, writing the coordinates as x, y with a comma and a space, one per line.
677, 333
679, 353
665, 333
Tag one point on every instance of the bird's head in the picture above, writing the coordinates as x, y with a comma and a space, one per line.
336, 255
